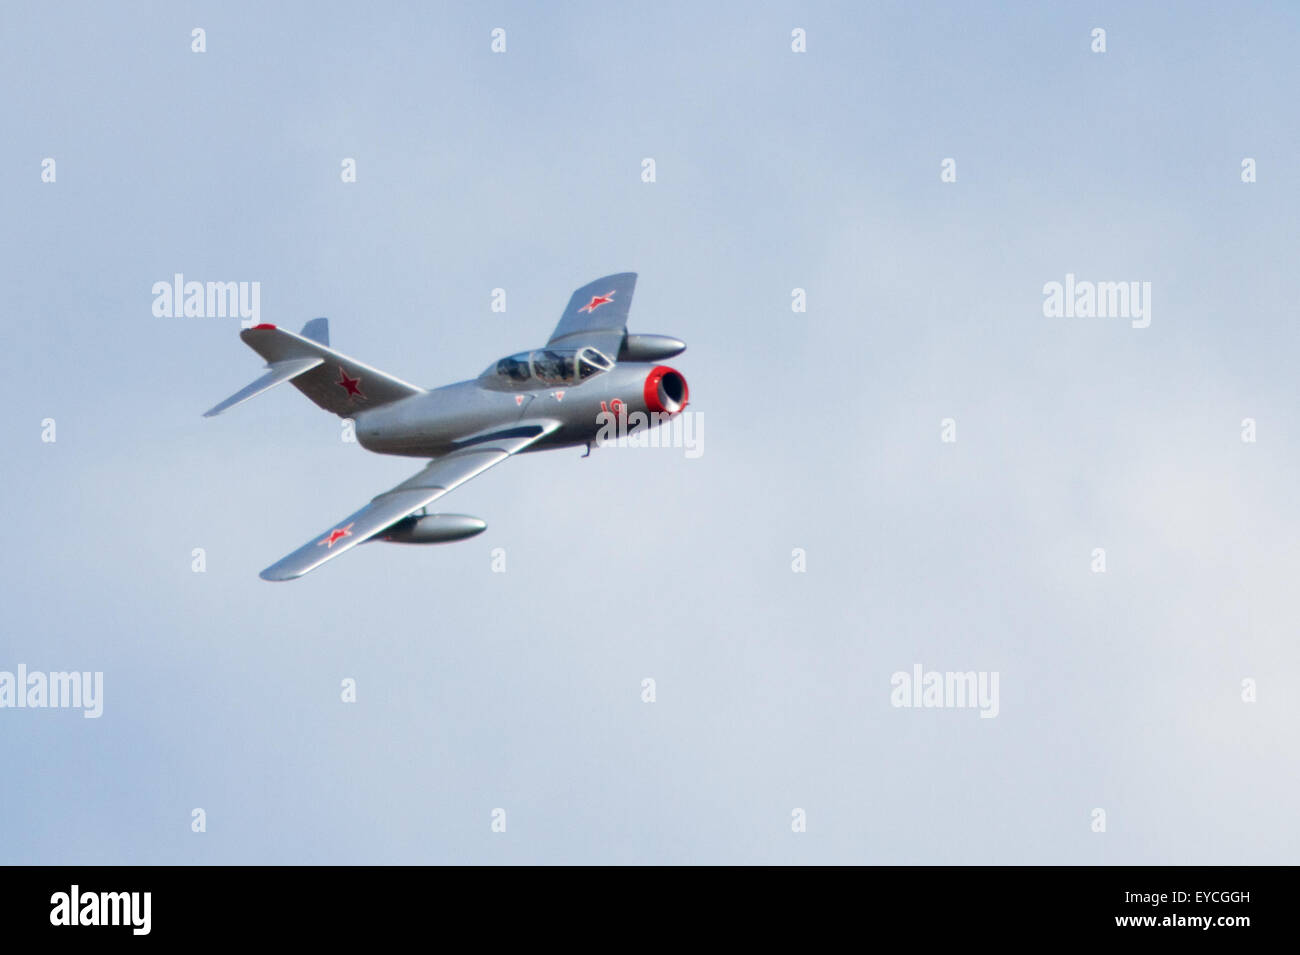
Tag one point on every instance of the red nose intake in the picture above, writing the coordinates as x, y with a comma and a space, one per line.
665, 390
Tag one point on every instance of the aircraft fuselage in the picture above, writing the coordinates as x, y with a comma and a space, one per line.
450, 417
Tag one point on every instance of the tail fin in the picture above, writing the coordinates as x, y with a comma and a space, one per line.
318, 330
333, 381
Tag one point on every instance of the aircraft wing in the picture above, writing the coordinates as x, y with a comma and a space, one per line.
597, 315
438, 477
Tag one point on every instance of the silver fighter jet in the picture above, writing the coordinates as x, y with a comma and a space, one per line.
589, 374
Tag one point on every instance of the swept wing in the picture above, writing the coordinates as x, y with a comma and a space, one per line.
436, 479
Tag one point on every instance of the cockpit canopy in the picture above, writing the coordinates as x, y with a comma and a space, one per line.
546, 366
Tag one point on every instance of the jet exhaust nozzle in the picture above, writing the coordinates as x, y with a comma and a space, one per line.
432, 529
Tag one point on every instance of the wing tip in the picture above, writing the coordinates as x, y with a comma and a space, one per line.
275, 576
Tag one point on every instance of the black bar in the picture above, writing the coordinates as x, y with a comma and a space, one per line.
971, 903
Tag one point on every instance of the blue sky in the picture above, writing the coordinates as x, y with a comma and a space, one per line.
774, 171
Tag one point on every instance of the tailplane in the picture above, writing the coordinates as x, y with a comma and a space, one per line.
332, 380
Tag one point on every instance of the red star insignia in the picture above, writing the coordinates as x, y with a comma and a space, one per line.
559, 395
351, 385
519, 399
597, 301
335, 535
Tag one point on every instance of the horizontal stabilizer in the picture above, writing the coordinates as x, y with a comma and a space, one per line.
280, 371
336, 382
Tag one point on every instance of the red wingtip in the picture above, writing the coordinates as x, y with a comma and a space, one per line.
265, 325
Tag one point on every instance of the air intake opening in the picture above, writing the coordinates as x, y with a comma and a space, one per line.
666, 391
674, 386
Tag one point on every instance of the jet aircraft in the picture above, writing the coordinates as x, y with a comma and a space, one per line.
556, 396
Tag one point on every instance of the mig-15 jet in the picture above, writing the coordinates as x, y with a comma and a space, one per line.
557, 396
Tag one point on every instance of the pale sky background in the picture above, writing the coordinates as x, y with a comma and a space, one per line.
776, 170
